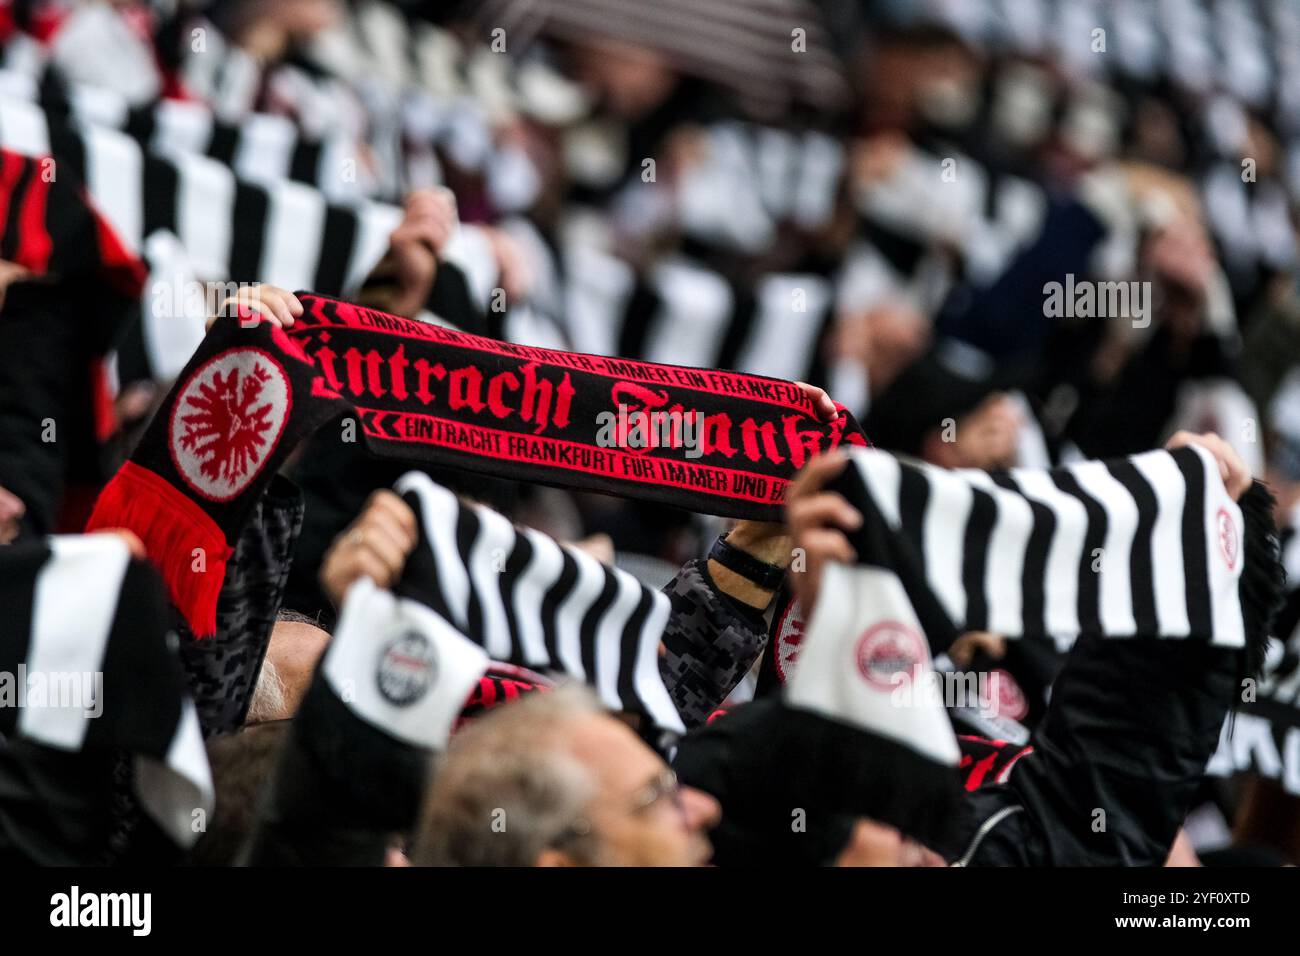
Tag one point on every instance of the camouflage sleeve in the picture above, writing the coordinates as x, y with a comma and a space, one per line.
710, 643
222, 669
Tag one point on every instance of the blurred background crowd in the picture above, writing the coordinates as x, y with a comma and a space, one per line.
874, 196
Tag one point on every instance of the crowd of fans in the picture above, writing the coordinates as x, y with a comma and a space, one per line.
1002, 233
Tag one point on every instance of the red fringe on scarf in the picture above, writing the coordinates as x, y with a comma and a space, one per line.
184, 544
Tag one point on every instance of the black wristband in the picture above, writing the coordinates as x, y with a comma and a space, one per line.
766, 576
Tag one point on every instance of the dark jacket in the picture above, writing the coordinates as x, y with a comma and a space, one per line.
1107, 778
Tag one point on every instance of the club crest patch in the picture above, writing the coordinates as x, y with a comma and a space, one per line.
789, 638
227, 420
1007, 697
1229, 543
407, 668
889, 654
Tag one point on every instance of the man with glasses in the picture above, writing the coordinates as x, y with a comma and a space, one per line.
555, 780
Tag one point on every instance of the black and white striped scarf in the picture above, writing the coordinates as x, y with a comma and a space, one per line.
528, 600
88, 661
1146, 545
239, 229
234, 227
258, 146
684, 310
1150, 545
279, 231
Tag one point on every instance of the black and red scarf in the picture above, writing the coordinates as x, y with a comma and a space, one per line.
58, 324
424, 393
49, 225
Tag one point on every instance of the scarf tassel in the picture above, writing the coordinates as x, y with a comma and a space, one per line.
182, 542
1262, 576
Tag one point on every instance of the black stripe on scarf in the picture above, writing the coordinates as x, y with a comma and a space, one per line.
1032, 607
974, 561
1141, 558
338, 237
1094, 538
251, 207
160, 186
1195, 560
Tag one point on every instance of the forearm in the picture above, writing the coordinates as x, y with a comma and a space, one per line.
768, 543
710, 643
